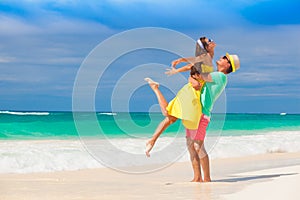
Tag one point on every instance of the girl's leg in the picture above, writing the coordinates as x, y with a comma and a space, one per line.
160, 97
161, 127
166, 122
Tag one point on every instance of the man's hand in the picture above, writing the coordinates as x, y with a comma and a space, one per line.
196, 85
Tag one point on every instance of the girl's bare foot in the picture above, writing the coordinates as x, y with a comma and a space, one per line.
154, 85
149, 146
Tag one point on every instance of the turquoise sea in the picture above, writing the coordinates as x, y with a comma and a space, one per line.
60, 125
50, 141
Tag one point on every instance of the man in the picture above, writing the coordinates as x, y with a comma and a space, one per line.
214, 86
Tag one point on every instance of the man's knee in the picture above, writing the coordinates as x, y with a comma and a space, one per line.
202, 152
190, 145
199, 146
193, 153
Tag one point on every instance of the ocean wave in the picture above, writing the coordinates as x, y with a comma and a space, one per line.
44, 156
23, 113
271, 142
68, 155
107, 113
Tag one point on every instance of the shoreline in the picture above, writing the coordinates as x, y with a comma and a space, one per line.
232, 178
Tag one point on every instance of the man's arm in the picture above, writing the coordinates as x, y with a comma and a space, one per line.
196, 85
207, 77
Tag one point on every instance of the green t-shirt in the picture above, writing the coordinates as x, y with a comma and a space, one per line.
211, 91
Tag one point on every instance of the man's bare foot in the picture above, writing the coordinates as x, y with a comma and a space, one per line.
149, 146
207, 180
154, 85
197, 180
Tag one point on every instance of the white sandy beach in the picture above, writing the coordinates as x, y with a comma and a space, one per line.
254, 177
279, 183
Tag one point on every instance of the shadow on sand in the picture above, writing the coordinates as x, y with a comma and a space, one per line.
250, 178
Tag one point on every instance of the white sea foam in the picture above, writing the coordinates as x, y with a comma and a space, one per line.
43, 156
24, 113
58, 155
272, 142
107, 113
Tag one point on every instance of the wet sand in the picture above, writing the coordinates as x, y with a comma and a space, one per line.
260, 177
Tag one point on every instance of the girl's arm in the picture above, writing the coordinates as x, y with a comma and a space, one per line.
211, 49
173, 70
205, 58
177, 61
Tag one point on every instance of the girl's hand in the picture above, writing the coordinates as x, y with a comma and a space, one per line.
211, 48
171, 71
176, 62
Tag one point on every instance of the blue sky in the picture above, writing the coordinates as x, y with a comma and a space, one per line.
43, 43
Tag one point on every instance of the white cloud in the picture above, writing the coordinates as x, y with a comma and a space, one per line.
51, 24
6, 59
251, 77
13, 26
50, 41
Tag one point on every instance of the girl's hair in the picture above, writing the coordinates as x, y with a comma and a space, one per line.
202, 39
194, 71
